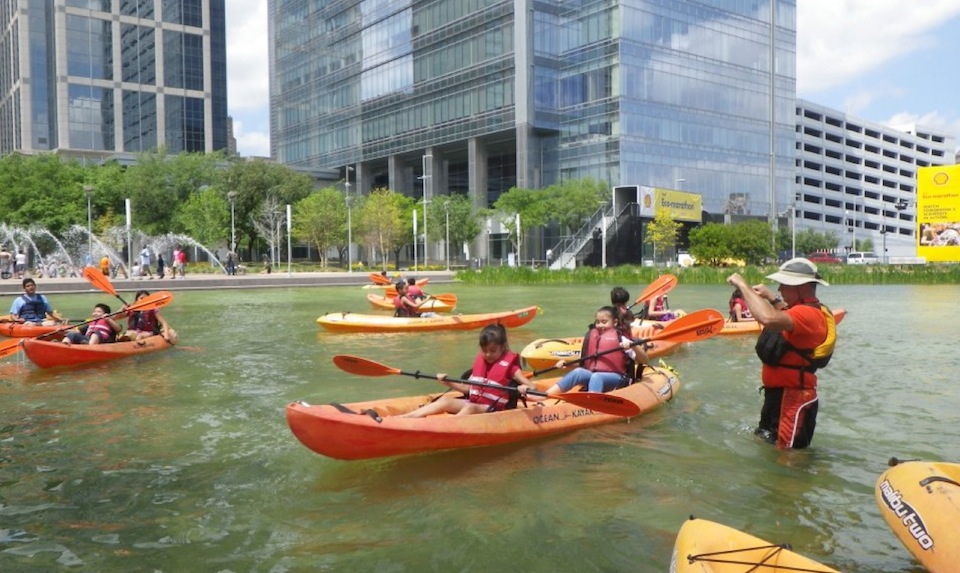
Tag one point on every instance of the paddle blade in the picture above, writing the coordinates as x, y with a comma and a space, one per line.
10, 346
449, 299
659, 287
379, 279
362, 366
698, 325
99, 280
150, 302
600, 402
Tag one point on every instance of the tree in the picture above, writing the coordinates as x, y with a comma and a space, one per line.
752, 241
205, 216
710, 244
662, 232
572, 202
320, 219
464, 221
382, 222
530, 204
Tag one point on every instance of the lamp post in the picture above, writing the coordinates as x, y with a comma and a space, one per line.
349, 221
427, 169
232, 197
446, 211
89, 191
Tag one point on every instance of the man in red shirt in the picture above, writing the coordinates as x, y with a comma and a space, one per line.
798, 337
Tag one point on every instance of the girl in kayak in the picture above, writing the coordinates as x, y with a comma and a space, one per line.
738, 308
145, 323
607, 357
406, 305
495, 364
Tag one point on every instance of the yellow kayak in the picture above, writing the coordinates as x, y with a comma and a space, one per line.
753, 327
707, 547
355, 322
920, 501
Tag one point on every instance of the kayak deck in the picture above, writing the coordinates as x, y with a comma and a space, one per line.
355, 322
50, 354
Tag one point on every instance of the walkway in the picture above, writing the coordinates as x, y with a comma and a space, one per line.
208, 281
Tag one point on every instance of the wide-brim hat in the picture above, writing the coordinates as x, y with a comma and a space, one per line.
798, 271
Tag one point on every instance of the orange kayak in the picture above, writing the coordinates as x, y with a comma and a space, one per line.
25, 329
381, 302
49, 354
350, 432
355, 322
920, 501
752, 326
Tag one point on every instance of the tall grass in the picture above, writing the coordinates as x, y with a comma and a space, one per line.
628, 274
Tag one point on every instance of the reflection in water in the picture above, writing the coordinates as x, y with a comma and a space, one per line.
182, 460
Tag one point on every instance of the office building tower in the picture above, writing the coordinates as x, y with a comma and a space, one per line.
95, 79
478, 96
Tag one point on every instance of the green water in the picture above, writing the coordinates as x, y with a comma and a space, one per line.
182, 461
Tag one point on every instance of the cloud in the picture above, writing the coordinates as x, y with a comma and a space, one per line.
840, 40
248, 67
933, 120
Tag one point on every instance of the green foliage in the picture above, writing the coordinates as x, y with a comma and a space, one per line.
715, 244
662, 232
464, 220
385, 222
752, 241
572, 202
320, 219
205, 216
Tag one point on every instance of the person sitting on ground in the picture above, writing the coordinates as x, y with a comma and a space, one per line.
101, 330
495, 364
146, 323
32, 307
738, 308
406, 305
607, 358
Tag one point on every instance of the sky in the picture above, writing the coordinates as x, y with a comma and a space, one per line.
879, 60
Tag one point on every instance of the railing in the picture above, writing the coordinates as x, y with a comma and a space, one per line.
569, 247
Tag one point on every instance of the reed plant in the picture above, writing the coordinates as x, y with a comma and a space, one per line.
630, 274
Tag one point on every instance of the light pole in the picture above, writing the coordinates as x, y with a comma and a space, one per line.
427, 169
232, 197
88, 189
677, 182
446, 210
349, 221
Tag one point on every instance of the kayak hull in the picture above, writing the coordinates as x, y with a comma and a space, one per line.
753, 327
381, 302
51, 354
707, 547
355, 322
920, 501
346, 432
25, 330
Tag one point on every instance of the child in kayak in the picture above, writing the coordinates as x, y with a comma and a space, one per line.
607, 357
495, 364
146, 323
102, 329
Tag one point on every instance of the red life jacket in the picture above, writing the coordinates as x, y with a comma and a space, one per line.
101, 328
143, 321
403, 308
607, 340
744, 311
500, 373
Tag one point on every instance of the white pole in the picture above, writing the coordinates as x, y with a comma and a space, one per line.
289, 244
89, 191
427, 179
446, 248
414, 239
603, 245
518, 239
793, 238
129, 233
349, 224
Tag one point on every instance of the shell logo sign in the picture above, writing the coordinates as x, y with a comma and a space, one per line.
938, 213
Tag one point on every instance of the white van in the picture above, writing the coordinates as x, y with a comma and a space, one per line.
857, 258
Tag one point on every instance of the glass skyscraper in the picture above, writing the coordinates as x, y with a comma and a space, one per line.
98, 78
477, 96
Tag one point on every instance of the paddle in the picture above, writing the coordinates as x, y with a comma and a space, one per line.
101, 281
698, 325
446, 298
657, 288
379, 279
599, 402
156, 300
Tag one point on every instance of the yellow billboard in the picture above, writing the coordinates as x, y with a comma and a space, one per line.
938, 213
681, 206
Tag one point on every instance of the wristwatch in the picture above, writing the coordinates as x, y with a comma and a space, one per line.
776, 299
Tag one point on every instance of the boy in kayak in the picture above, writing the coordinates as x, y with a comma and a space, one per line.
495, 364
32, 307
101, 330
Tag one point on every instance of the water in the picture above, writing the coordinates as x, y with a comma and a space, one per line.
182, 461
